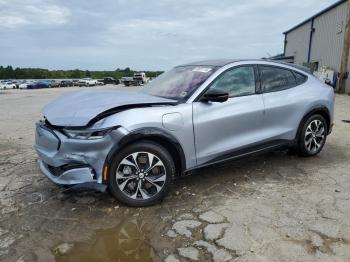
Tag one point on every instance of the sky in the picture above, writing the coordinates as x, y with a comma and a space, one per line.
144, 35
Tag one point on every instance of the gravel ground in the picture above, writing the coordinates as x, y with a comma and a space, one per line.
272, 207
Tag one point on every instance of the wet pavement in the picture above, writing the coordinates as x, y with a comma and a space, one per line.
126, 242
272, 207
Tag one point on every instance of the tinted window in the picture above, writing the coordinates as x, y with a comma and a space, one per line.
301, 79
276, 79
238, 81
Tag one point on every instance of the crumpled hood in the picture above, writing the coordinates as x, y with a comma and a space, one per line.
79, 108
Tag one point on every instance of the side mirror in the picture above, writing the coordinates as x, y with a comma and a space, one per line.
215, 95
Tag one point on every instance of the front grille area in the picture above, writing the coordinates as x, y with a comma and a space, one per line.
57, 171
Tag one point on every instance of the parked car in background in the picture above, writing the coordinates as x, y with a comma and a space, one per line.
16, 82
48, 82
66, 83
137, 80
195, 115
39, 85
7, 85
110, 80
55, 83
24, 84
129, 81
75, 82
87, 82
141, 78
100, 82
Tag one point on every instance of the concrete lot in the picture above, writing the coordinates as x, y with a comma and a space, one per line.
272, 207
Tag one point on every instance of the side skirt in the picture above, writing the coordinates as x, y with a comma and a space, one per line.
241, 153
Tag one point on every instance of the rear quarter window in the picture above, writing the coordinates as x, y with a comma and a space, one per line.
275, 79
300, 78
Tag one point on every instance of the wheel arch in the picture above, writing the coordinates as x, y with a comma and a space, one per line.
156, 135
319, 110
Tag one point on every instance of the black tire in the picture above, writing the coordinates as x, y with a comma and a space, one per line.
143, 146
302, 148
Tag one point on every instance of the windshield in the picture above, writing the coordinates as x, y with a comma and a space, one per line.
180, 82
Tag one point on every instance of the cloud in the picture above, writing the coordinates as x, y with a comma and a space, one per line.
16, 13
153, 34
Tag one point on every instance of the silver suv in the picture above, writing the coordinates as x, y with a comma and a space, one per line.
195, 115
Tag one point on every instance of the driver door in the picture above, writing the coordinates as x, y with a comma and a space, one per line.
220, 129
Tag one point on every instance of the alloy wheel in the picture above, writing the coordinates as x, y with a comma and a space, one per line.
141, 175
314, 136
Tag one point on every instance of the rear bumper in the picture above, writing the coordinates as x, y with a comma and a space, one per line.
67, 161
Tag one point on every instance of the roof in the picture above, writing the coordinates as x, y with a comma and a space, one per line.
216, 62
316, 15
299, 67
223, 62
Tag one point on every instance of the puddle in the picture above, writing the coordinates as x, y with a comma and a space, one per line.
126, 242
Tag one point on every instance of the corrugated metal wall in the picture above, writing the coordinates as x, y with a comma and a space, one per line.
298, 43
327, 43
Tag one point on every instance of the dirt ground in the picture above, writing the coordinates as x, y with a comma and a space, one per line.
272, 207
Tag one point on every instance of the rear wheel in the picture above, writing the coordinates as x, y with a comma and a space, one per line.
141, 174
313, 136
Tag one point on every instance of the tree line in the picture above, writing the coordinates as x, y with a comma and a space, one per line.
9, 72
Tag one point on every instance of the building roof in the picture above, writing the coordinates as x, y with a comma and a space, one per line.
279, 57
316, 15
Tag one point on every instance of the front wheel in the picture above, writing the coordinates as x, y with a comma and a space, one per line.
141, 174
313, 136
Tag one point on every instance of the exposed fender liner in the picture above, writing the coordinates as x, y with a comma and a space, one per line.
151, 132
312, 111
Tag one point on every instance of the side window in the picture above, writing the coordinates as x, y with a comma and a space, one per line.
301, 79
276, 79
239, 81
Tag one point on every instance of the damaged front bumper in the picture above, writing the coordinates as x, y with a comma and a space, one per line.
68, 161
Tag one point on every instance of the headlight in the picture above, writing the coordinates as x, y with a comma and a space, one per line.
87, 134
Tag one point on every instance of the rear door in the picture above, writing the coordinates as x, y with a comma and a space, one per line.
283, 98
222, 128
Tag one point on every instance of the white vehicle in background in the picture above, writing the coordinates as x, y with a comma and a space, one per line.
87, 82
7, 85
25, 84
141, 78
100, 82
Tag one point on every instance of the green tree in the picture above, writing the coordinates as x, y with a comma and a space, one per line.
39, 73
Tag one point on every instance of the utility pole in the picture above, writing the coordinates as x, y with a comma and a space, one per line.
345, 56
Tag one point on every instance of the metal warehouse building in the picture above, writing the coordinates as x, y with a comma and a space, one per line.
318, 41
